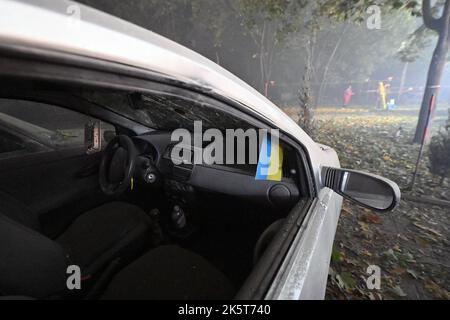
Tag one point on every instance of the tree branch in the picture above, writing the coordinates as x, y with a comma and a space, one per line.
428, 19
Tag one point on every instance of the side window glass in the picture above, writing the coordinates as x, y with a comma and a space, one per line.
26, 123
10, 143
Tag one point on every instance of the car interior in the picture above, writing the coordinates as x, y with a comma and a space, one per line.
137, 225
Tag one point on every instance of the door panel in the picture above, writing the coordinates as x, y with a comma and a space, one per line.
304, 273
52, 187
49, 170
43, 184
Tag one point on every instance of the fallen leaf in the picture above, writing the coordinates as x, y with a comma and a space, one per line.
412, 273
422, 241
375, 296
348, 280
363, 226
398, 291
336, 256
390, 254
366, 253
436, 233
352, 262
397, 271
408, 257
340, 282
436, 290
400, 236
371, 218
331, 272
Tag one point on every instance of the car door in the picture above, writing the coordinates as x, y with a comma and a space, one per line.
43, 161
304, 272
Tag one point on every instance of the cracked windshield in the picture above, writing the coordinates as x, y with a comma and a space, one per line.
367, 78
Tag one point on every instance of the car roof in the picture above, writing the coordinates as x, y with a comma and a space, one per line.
52, 25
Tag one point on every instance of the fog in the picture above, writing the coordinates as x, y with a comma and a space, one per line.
306, 64
352, 52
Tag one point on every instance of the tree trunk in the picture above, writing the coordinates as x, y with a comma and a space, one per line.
267, 52
261, 59
437, 65
433, 85
402, 82
327, 66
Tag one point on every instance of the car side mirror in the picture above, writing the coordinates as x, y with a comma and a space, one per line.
368, 190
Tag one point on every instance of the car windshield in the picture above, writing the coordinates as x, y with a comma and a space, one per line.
163, 111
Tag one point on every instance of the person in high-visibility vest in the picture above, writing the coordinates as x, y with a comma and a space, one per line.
382, 96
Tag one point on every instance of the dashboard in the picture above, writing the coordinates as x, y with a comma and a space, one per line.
182, 183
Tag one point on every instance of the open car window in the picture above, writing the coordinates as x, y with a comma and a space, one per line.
24, 123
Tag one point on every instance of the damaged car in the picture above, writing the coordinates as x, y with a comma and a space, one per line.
94, 205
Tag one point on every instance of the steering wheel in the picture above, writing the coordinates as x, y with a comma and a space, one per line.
117, 165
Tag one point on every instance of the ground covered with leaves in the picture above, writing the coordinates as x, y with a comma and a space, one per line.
410, 245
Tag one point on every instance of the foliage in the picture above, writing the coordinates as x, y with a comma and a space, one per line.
439, 153
286, 16
416, 42
420, 39
355, 10
264, 40
270, 23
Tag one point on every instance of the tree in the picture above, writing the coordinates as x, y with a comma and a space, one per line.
328, 64
442, 27
253, 38
269, 23
245, 36
306, 112
439, 153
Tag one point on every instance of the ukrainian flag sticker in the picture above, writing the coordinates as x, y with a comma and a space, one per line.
270, 164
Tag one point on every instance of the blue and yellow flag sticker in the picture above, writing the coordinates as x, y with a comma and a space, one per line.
270, 164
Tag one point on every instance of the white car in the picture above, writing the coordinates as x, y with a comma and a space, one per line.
93, 203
